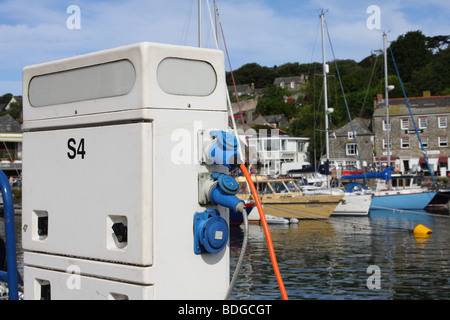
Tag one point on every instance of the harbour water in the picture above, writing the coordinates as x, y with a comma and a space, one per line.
342, 258
349, 258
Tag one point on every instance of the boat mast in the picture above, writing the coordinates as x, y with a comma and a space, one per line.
325, 71
199, 23
386, 98
216, 18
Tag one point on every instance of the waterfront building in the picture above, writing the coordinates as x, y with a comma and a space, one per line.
431, 116
343, 145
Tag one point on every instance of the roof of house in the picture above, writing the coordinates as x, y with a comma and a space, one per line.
246, 105
297, 79
361, 126
8, 124
239, 87
276, 118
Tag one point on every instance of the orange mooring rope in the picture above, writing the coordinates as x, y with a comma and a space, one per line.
266, 231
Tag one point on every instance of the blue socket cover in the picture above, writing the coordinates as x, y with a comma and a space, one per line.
210, 232
228, 184
224, 150
227, 141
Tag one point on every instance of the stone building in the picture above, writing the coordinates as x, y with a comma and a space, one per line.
431, 117
291, 83
343, 147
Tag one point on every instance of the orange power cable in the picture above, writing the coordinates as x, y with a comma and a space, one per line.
266, 231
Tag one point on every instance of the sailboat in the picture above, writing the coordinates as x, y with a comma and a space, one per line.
387, 197
353, 203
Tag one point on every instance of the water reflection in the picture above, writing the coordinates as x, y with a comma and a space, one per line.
330, 259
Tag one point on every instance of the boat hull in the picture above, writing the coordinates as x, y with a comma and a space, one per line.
401, 201
354, 205
304, 207
283, 198
440, 201
236, 217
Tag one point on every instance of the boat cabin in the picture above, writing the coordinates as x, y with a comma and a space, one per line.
274, 187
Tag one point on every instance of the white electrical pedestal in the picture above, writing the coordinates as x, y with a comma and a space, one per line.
110, 174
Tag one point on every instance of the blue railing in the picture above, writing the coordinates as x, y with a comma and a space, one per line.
9, 276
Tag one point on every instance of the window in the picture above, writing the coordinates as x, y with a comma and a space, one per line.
443, 141
404, 142
385, 144
422, 123
279, 187
99, 81
404, 124
351, 163
384, 125
442, 122
284, 145
351, 135
424, 142
350, 149
272, 145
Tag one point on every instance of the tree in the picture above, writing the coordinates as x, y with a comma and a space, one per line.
15, 110
272, 101
310, 123
6, 98
438, 43
435, 76
411, 53
252, 73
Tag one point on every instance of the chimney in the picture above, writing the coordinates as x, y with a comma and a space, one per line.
378, 99
427, 94
249, 116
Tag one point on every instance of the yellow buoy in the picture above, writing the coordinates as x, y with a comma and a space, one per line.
421, 230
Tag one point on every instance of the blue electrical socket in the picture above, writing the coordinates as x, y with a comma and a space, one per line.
210, 232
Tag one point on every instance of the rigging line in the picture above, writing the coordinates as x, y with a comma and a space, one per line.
186, 26
311, 66
228, 93
371, 224
346, 105
412, 211
232, 77
11, 157
315, 117
368, 86
412, 117
212, 25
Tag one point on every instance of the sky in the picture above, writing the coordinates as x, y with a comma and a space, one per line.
268, 32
